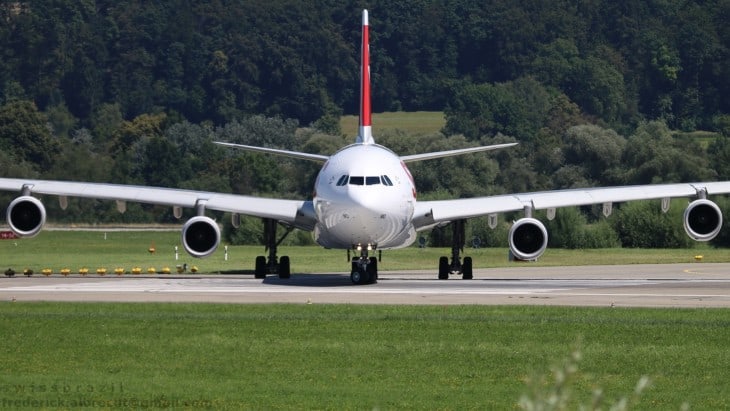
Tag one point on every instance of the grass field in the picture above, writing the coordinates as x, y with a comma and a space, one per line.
416, 122
187, 356
56, 250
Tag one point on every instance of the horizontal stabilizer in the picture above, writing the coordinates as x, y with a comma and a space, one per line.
457, 152
286, 153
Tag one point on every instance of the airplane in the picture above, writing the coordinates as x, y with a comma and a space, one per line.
364, 201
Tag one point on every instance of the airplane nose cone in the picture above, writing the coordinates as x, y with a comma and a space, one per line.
373, 202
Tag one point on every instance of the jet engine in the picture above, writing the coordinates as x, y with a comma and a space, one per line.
26, 216
702, 220
528, 239
201, 236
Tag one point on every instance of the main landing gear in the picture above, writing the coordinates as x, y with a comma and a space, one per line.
273, 265
457, 247
364, 268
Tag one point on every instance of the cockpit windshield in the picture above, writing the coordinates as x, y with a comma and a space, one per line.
364, 180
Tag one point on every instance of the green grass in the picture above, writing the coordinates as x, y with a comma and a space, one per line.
416, 122
76, 249
354, 357
341, 356
703, 138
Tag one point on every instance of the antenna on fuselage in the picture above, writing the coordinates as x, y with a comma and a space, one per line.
365, 135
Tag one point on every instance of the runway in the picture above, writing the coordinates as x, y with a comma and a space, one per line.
661, 285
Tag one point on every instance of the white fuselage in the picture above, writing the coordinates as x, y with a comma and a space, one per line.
364, 196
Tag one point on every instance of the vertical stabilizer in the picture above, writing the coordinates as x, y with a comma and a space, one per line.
365, 135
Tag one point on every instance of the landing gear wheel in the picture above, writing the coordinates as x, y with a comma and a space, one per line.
373, 271
284, 267
466, 271
272, 264
457, 248
367, 274
443, 268
260, 271
359, 277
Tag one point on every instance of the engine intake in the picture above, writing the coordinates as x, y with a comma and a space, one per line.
26, 216
201, 236
528, 239
702, 220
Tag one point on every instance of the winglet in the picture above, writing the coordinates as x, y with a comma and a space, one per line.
365, 135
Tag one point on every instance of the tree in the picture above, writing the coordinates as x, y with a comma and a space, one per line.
24, 132
142, 126
61, 120
641, 224
516, 109
105, 123
652, 155
161, 164
598, 88
719, 156
597, 151
556, 62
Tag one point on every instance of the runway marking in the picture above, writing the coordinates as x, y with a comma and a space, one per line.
247, 289
574, 288
655, 289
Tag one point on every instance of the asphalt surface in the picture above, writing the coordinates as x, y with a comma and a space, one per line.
656, 285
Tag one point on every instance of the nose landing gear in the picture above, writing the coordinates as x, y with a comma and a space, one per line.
364, 268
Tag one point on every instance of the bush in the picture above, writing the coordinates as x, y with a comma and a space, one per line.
571, 230
642, 224
251, 232
488, 237
601, 235
567, 230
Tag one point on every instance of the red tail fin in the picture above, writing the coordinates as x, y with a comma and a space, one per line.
365, 133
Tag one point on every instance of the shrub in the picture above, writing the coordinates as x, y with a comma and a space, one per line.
642, 224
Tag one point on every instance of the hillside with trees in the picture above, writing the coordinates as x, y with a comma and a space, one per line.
596, 92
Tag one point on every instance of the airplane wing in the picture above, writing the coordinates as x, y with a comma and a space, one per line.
428, 213
297, 213
286, 153
449, 153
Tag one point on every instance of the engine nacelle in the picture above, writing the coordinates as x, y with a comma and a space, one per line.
26, 216
201, 236
702, 220
528, 239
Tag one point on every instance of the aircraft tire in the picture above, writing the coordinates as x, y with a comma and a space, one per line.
443, 268
466, 269
284, 267
356, 277
260, 271
373, 271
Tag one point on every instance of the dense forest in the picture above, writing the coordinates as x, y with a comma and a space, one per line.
597, 92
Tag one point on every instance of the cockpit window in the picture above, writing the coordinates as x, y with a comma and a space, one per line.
343, 180
364, 180
371, 181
